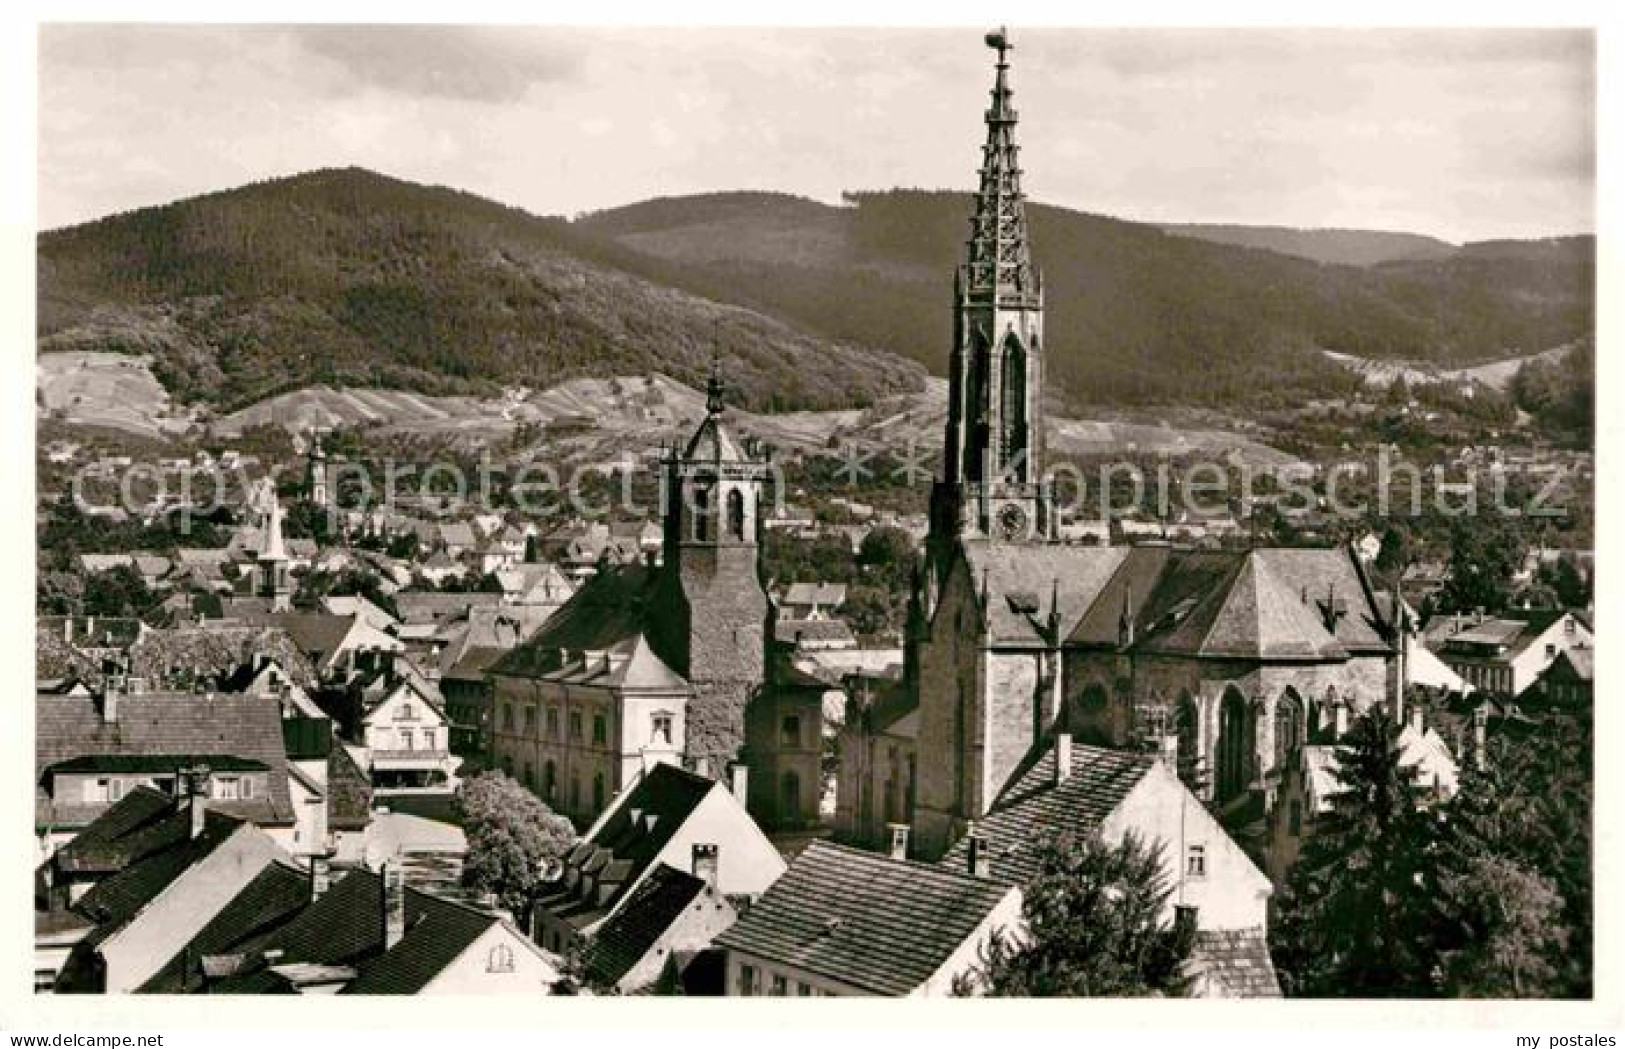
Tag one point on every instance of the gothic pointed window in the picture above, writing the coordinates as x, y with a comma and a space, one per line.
1187, 727
1235, 745
1288, 729
702, 513
981, 406
1013, 409
736, 515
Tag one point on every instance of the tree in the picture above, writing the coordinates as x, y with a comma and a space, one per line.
515, 842
119, 591
1355, 918
1483, 560
1093, 927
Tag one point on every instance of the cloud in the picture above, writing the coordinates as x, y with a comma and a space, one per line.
490, 64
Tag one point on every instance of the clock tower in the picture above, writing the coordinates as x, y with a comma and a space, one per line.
992, 483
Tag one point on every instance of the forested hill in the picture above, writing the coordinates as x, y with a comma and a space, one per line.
1135, 315
348, 277
1344, 247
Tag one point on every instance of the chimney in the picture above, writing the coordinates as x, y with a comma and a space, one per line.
1415, 716
1340, 719
706, 860
321, 875
199, 807
899, 840
394, 904
739, 781
977, 860
1063, 757
110, 699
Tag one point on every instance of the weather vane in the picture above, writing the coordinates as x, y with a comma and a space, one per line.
999, 39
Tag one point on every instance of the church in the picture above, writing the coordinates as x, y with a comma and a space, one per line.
1224, 663
669, 662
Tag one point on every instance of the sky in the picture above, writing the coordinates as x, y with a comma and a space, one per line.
1461, 134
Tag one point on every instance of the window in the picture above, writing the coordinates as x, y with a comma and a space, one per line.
781, 986
552, 722
507, 717
1551, 651
790, 730
500, 960
406, 712
1288, 730
1196, 861
600, 729
702, 514
406, 739
747, 980
803, 990
660, 730
507, 764
575, 791
248, 788
530, 720
575, 724
226, 788
736, 515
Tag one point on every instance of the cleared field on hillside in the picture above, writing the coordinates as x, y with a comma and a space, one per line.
112, 390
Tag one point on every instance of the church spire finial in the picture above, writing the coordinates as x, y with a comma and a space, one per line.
714, 388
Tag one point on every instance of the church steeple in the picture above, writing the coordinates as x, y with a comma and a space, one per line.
998, 261
993, 442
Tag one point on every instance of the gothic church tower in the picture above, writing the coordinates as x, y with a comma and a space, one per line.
993, 447
711, 619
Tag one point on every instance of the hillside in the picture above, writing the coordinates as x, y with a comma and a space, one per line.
1336, 247
348, 278
1136, 315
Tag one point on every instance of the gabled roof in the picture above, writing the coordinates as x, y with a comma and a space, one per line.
714, 442
217, 652
864, 919
1581, 660
111, 903
623, 940
273, 897
180, 725
1035, 806
620, 848
138, 824
1248, 614
815, 594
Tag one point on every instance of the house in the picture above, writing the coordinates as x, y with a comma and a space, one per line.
672, 916
329, 788
1567, 685
813, 635
456, 538
408, 741
1080, 790
577, 725
369, 933
89, 752
441, 566
879, 738
811, 600
358, 605
541, 584
844, 922
1507, 653
669, 816
146, 912
333, 644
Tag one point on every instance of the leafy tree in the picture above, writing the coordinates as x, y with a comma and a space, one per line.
119, 591
1093, 927
1483, 559
1355, 918
515, 842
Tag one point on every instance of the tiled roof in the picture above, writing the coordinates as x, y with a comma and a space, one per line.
1034, 806
612, 606
1022, 576
138, 824
622, 848
57, 660
1582, 660
345, 928
815, 594
114, 901
877, 924
623, 940
803, 630
1234, 964
349, 791
274, 896
162, 724
217, 652
429, 606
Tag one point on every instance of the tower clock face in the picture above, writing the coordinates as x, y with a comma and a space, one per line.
1012, 521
